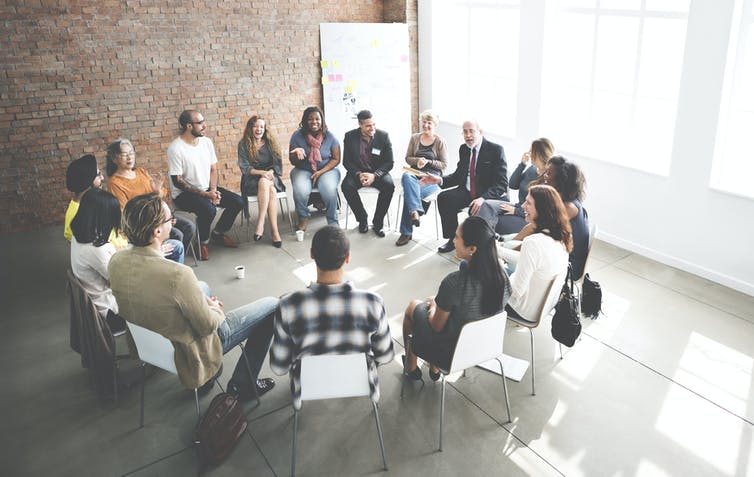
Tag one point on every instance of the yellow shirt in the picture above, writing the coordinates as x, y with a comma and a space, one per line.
119, 241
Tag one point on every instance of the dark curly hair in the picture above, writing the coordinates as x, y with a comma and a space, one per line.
304, 127
569, 181
552, 218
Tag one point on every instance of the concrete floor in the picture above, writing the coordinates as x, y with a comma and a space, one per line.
660, 385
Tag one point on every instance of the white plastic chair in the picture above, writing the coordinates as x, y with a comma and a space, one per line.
432, 199
549, 300
155, 349
479, 341
368, 190
331, 376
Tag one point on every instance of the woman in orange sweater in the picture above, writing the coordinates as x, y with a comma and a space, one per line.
127, 181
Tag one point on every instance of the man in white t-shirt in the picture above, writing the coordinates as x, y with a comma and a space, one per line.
192, 166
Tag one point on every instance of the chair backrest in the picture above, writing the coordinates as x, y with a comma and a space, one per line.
552, 295
153, 348
329, 376
592, 233
478, 342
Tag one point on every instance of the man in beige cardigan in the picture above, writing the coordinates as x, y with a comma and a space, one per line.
166, 297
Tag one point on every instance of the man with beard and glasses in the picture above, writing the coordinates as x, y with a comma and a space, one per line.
192, 166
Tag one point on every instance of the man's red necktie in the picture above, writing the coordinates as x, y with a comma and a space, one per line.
472, 174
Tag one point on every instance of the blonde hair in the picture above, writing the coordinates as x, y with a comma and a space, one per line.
429, 115
141, 216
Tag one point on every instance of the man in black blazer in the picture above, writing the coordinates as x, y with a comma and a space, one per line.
488, 180
368, 159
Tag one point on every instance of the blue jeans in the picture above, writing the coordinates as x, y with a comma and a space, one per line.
252, 322
178, 251
413, 193
301, 179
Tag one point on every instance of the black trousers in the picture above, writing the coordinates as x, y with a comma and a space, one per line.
206, 210
384, 184
449, 203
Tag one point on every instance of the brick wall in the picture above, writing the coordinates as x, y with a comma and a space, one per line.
77, 74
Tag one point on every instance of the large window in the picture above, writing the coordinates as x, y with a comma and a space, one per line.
734, 162
610, 81
475, 62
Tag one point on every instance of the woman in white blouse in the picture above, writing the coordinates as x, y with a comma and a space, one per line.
97, 217
544, 253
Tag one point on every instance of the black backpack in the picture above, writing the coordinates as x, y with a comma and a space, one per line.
591, 298
566, 326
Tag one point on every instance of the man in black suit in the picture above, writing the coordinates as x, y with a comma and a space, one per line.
368, 159
487, 180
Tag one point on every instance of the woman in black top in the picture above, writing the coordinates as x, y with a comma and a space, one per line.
261, 165
477, 290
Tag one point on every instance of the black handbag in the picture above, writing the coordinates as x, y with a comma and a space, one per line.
566, 326
591, 298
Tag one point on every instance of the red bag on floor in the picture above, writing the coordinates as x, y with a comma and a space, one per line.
219, 430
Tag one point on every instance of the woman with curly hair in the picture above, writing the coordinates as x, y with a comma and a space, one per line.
566, 177
261, 165
544, 252
315, 155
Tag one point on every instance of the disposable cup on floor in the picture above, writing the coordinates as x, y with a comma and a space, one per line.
299, 235
240, 271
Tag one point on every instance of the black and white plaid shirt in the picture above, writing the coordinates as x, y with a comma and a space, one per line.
330, 319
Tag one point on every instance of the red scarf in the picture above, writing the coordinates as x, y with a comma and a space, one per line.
315, 156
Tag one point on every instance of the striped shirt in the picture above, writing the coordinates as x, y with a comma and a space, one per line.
330, 319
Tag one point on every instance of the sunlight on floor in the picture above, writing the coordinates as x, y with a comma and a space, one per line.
690, 423
706, 357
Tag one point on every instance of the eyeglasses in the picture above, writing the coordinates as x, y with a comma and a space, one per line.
99, 173
127, 154
169, 219
197, 122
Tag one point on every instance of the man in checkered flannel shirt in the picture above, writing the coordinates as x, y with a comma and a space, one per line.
331, 316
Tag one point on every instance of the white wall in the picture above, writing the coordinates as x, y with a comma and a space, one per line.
677, 220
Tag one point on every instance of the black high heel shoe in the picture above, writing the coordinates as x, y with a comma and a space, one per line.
257, 237
277, 244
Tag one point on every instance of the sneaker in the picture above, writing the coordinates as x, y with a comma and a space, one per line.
224, 240
203, 252
363, 227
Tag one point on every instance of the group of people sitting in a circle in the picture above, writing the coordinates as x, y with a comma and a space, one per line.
508, 251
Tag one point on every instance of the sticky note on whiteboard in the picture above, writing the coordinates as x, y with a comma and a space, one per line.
375, 43
335, 64
324, 64
325, 80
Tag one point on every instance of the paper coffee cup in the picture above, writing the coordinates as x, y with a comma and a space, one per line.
240, 271
300, 235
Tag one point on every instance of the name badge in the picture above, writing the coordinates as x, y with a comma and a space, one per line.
376, 151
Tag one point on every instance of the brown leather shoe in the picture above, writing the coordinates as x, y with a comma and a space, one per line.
403, 240
203, 252
224, 240
302, 223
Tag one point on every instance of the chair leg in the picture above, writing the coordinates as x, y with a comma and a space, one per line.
143, 381
293, 445
560, 347
442, 410
398, 212
505, 388
287, 209
251, 378
198, 409
531, 340
379, 434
